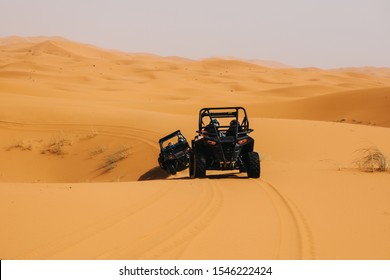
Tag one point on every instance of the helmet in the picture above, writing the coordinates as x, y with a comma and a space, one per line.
215, 122
233, 122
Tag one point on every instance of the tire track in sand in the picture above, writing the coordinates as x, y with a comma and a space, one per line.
75, 237
108, 130
170, 239
184, 239
296, 239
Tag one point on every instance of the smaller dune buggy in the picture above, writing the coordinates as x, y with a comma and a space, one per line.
174, 152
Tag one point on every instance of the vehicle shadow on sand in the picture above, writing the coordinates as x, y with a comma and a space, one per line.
156, 173
214, 176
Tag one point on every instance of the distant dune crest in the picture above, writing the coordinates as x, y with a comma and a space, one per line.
48, 44
277, 89
22, 40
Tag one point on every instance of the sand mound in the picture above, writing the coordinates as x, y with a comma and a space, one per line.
79, 177
364, 106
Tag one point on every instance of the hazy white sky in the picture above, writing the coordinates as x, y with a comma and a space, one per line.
322, 33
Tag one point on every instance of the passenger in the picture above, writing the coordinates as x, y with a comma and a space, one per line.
169, 146
233, 127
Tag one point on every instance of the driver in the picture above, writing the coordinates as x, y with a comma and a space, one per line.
170, 145
212, 127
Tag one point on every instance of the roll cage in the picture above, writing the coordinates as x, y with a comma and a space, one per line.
177, 134
232, 113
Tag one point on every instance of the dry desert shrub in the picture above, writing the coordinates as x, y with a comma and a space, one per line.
57, 144
98, 150
91, 133
21, 145
111, 161
371, 160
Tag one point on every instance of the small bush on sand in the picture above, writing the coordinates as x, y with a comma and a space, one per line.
56, 145
91, 133
111, 161
371, 160
98, 150
21, 145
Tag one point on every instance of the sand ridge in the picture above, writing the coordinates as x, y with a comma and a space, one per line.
79, 177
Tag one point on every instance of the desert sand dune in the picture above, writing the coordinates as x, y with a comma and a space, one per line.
365, 106
79, 177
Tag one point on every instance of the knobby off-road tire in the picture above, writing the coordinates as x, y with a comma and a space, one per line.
171, 168
199, 166
253, 165
160, 163
191, 165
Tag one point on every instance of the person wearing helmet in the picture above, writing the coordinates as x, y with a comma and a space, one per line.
233, 127
212, 127
169, 146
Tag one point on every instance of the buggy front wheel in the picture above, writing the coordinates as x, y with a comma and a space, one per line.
171, 168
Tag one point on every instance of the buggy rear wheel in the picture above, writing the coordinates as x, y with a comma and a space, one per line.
191, 169
253, 165
199, 166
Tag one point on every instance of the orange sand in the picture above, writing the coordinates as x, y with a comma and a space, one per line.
310, 203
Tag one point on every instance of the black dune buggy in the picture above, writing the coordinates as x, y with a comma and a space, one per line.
223, 146
174, 152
